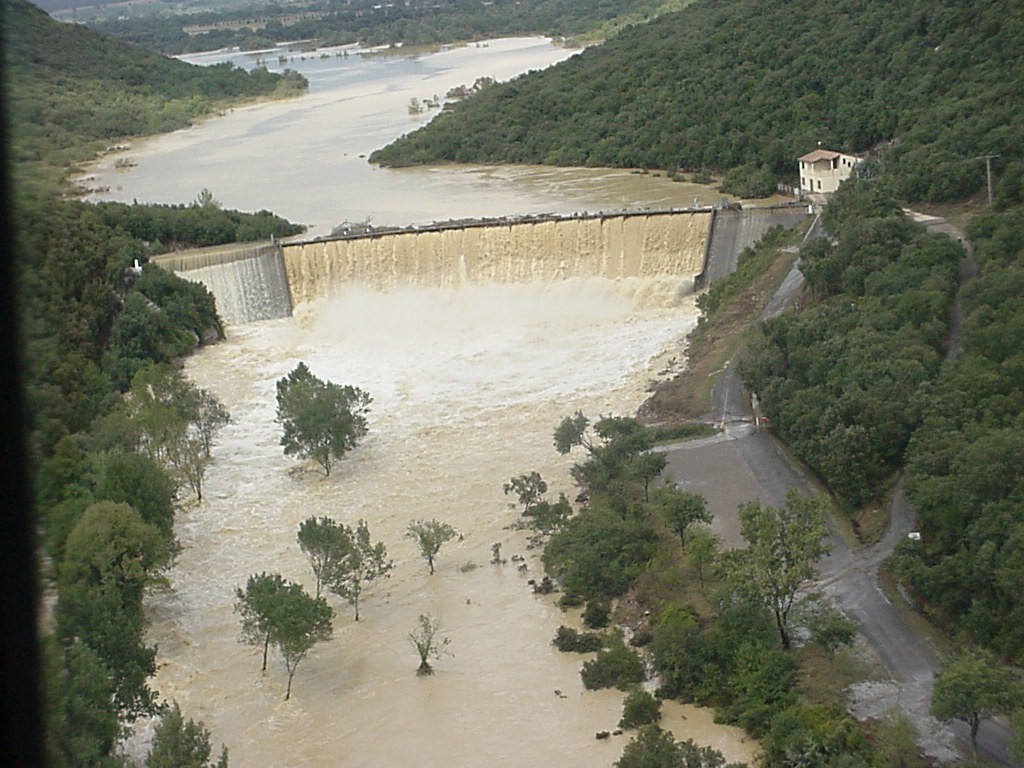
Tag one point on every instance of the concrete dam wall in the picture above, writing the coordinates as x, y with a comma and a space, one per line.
637, 245
264, 281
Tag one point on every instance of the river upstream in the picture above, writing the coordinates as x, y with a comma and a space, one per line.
468, 386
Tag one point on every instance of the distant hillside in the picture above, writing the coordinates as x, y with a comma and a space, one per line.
69, 87
733, 82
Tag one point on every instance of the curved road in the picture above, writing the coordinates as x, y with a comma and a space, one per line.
848, 576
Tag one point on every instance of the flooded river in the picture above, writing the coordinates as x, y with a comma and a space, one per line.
468, 385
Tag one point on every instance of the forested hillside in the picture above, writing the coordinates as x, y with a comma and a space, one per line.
414, 22
108, 471
930, 85
71, 90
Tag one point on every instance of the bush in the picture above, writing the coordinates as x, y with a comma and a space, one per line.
597, 614
615, 667
568, 639
640, 708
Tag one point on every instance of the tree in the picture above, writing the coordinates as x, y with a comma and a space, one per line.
830, 629
210, 416
640, 708
364, 562
571, 433
528, 488
971, 686
430, 536
654, 747
326, 544
279, 612
646, 467
299, 623
428, 642
702, 550
255, 605
783, 546
320, 420
180, 744
680, 509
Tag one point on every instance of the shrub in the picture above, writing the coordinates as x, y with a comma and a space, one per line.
615, 667
640, 708
568, 639
597, 614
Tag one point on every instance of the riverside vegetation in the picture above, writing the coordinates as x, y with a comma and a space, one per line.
953, 424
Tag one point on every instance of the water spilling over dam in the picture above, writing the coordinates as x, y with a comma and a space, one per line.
260, 282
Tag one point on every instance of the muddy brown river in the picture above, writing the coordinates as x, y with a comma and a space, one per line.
468, 385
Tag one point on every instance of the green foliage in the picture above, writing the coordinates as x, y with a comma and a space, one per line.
653, 747
180, 744
679, 510
568, 640
783, 547
278, 612
428, 642
411, 23
597, 614
600, 552
963, 462
430, 536
138, 481
545, 518
757, 84
809, 734
749, 181
528, 488
640, 708
363, 563
320, 420
82, 722
842, 381
326, 544
830, 629
616, 666
972, 686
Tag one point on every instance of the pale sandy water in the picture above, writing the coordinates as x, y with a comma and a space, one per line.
468, 386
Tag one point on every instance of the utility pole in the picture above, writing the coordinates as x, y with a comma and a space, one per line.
988, 173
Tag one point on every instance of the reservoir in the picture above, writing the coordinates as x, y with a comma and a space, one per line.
469, 382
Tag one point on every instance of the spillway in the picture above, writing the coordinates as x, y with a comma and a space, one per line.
522, 252
254, 282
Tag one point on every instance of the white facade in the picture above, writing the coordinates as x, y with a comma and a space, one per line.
822, 171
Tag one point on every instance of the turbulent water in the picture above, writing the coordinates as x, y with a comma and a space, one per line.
468, 384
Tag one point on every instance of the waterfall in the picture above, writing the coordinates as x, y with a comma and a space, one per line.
262, 281
622, 246
248, 282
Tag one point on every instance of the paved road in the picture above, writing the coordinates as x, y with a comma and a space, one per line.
759, 463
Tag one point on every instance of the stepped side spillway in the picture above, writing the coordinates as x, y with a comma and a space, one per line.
628, 245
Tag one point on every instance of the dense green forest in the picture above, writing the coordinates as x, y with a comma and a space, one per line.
927, 86
414, 22
117, 438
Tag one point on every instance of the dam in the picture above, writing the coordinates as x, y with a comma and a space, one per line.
264, 281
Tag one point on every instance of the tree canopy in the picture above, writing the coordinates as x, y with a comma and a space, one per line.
753, 83
320, 420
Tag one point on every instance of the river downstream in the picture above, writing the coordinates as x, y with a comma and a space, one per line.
468, 386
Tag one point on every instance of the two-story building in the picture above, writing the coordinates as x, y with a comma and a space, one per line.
822, 171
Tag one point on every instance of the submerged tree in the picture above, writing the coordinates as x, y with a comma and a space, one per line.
430, 536
428, 642
279, 612
320, 420
363, 563
326, 544
529, 488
